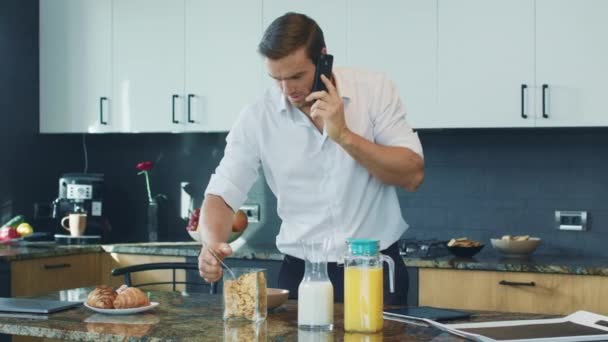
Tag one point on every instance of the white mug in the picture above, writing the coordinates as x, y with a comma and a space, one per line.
77, 223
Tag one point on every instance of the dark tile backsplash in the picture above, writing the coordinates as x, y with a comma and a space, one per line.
479, 183
488, 183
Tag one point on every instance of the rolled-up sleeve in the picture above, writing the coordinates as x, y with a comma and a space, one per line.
390, 125
238, 169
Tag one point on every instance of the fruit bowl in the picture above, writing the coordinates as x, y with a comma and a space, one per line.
516, 248
197, 237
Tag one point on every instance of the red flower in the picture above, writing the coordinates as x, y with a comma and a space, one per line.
145, 166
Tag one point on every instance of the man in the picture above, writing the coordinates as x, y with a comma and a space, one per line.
332, 158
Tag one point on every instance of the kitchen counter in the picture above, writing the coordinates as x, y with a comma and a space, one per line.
535, 264
484, 261
198, 317
487, 262
186, 249
36, 250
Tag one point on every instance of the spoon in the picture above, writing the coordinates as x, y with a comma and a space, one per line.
218, 259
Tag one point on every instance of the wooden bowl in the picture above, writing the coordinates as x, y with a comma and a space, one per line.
276, 297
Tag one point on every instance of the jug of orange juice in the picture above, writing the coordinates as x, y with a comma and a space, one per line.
363, 290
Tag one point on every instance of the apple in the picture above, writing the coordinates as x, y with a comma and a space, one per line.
7, 233
239, 221
193, 222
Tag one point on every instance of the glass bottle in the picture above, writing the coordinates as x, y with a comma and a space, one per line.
316, 293
363, 287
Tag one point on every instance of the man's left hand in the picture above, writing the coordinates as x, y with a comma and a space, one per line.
328, 106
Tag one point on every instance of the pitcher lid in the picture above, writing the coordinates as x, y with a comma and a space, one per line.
363, 246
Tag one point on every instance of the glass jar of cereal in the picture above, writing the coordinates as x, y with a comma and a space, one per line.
245, 294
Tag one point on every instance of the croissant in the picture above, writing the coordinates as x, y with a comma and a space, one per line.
131, 297
102, 297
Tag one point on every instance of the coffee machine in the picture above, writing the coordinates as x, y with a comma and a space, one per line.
81, 192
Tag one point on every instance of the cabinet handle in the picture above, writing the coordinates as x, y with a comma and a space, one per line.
173, 108
54, 266
190, 96
523, 102
515, 283
101, 99
545, 114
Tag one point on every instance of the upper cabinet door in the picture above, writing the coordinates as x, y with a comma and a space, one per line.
75, 66
572, 50
329, 14
148, 56
399, 38
486, 54
223, 67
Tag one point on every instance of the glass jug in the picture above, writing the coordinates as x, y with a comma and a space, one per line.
316, 293
363, 288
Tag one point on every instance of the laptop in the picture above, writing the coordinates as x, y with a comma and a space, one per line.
428, 312
32, 305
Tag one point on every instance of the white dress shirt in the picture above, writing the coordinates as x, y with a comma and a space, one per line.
322, 192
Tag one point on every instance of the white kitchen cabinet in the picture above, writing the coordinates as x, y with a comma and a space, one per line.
399, 38
148, 65
571, 55
486, 54
75, 66
329, 14
223, 68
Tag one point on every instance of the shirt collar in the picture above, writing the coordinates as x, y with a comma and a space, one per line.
344, 86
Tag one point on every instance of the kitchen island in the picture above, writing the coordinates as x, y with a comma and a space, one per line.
198, 317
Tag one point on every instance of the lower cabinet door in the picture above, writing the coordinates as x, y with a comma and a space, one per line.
513, 291
38, 276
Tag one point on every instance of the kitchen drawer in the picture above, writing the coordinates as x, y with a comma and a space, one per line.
482, 290
38, 276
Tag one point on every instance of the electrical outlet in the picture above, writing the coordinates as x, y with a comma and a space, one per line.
252, 211
571, 220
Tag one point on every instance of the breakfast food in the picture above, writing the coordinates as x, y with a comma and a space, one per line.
102, 297
105, 297
130, 297
245, 297
463, 242
516, 238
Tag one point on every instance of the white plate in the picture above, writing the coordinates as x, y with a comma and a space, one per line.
123, 311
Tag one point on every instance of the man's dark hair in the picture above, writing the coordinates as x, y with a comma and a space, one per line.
290, 32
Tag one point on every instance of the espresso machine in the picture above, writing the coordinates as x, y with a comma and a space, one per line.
82, 192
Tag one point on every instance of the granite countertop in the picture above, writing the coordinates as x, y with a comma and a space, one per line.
535, 263
187, 249
486, 261
34, 250
198, 317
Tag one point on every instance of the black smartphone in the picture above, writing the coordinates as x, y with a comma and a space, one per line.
324, 65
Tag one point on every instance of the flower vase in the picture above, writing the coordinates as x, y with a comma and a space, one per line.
157, 220
152, 220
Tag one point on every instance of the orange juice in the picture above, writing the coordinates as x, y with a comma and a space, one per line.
363, 299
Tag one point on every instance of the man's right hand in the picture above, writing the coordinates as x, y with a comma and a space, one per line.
209, 268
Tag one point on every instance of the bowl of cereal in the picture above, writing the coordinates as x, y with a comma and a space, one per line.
276, 297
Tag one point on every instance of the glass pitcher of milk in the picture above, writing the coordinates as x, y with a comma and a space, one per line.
363, 288
316, 293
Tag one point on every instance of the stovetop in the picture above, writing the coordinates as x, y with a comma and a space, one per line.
419, 248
